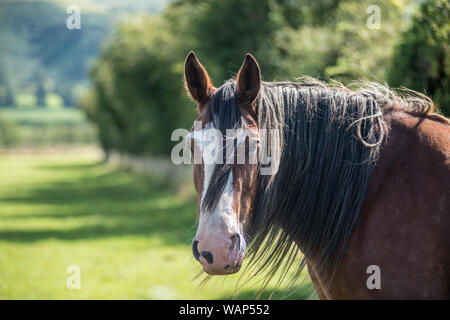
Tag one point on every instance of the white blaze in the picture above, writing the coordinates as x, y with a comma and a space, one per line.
209, 142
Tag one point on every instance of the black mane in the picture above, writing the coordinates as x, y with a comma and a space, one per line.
329, 140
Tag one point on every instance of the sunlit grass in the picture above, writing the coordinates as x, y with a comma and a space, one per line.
46, 127
129, 235
39, 115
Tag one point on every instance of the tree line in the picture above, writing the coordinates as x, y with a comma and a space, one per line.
137, 96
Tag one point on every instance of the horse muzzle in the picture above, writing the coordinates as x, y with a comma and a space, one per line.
219, 254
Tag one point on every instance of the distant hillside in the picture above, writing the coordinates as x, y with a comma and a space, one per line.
40, 57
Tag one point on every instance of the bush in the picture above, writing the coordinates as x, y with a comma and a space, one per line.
25, 100
54, 101
138, 96
422, 57
8, 133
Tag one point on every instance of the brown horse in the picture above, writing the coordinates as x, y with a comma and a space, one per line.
358, 182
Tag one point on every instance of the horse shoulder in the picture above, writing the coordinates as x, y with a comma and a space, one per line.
404, 224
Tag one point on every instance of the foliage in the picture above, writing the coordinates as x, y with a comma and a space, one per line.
53, 101
224, 31
422, 57
137, 97
44, 127
25, 100
8, 133
361, 50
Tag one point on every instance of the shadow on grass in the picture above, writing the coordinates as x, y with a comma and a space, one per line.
120, 204
303, 291
72, 166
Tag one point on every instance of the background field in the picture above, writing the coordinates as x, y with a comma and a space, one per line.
40, 116
129, 235
37, 127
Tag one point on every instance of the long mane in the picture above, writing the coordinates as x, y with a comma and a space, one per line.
329, 139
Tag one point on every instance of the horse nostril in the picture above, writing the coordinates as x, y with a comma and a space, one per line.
195, 250
208, 256
235, 242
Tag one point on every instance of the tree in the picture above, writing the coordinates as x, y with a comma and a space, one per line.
224, 31
422, 57
138, 97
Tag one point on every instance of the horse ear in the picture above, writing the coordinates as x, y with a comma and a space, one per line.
248, 82
197, 81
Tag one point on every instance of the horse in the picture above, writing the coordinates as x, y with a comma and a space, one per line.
357, 191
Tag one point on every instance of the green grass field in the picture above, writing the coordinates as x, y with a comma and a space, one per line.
129, 235
43, 127
41, 116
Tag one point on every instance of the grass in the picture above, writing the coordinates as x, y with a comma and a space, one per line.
42, 126
40, 116
129, 235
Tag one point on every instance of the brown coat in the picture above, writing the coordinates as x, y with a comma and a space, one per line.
404, 225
